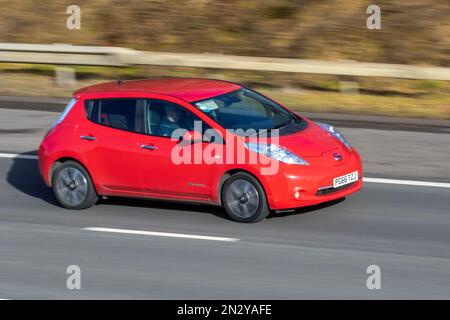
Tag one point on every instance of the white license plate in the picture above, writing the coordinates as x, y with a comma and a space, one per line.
343, 180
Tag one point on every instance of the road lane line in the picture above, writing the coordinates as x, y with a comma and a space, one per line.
162, 234
365, 179
408, 182
18, 156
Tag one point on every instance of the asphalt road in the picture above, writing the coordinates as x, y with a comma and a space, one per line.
318, 252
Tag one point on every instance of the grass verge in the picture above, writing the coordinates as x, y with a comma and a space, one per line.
308, 93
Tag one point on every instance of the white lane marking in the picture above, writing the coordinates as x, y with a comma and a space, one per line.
365, 179
162, 234
18, 156
408, 182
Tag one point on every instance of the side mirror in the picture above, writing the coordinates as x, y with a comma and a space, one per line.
191, 137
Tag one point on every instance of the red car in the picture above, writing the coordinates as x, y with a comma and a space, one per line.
194, 140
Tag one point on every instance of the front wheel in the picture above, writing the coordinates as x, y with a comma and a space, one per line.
73, 187
244, 199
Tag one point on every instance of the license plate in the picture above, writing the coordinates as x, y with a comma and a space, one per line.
343, 180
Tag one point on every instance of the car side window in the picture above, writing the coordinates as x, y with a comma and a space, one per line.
163, 118
123, 114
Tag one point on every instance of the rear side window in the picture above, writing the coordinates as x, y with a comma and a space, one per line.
123, 114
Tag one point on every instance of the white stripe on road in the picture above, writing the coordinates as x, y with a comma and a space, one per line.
369, 180
18, 156
162, 234
408, 182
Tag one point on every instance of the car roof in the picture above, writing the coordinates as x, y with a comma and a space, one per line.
188, 89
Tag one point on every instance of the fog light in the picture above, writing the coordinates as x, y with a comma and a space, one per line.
297, 194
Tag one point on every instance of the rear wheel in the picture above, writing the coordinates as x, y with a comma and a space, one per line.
73, 187
244, 199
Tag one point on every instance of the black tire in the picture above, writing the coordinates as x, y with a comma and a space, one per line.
72, 186
244, 206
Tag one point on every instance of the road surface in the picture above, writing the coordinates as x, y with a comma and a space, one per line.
318, 252
177, 251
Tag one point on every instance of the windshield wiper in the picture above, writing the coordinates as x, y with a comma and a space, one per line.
282, 125
285, 123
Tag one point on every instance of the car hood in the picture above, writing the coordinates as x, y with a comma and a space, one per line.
310, 142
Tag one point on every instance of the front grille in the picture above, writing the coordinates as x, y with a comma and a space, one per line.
330, 190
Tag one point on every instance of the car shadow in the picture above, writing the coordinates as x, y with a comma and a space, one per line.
165, 205
24, 176
304, 210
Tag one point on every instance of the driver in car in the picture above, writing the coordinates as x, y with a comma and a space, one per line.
171, 121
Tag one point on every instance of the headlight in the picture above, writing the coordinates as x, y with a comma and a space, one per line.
276, 152
332, 130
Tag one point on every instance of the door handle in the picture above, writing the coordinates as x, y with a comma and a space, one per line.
90, 138
148, 147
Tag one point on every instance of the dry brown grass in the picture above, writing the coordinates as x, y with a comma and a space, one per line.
413, 32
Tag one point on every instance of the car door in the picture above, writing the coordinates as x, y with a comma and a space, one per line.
160, 173
112, 136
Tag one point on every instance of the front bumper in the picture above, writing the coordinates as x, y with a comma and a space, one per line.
298, 186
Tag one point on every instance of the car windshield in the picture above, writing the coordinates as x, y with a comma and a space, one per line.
246, 109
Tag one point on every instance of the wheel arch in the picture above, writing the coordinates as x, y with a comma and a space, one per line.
58, 162
226, 175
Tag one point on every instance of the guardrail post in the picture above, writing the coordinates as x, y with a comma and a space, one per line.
348, 86
65, 77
